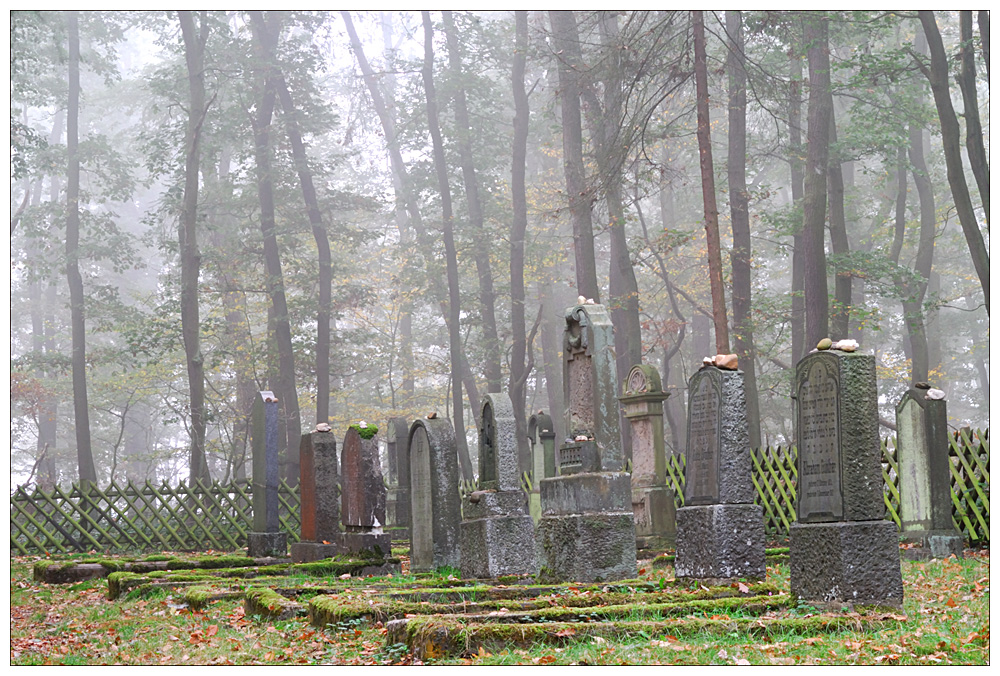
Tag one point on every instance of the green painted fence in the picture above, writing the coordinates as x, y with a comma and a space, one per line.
216, 516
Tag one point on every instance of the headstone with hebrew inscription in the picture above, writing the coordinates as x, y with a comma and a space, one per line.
397, 500
720, 531
541, 438
266, 538
319, 497
841, 548
497, 535
362, 507
652, 502
587, 531
435, 505
925, 476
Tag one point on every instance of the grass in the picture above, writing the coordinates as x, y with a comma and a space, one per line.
946, 608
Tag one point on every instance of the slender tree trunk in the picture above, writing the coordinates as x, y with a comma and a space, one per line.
708, 187
481, 242
973, 127
843, 284
551, 340
566, 40
984, 35
937, 74
796, 156
817, 161
451, 255
194, 55
84, 454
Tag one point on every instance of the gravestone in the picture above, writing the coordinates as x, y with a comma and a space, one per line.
397, 501
586, 532
720, 532
652, 502
542, 439
362, 507
265, 539
319, 497
841, 549
435, 505
925, 477
497, 534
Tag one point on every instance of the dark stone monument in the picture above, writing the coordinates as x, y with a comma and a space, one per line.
652, 502
434, 500
362, 507
266, 539
542, 438
397, 501
319, 497
841, 549
720, 532
586, 532
497, 534
925, 476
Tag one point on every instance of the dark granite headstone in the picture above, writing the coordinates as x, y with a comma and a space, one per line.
841, 549
266, 538
434, 499
362, 508
397, 505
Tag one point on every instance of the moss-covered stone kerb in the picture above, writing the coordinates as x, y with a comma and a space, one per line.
269, 604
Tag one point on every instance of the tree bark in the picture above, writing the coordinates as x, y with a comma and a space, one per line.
840, 320
984, 35
708, 187
795, 157
84, 453
973, 127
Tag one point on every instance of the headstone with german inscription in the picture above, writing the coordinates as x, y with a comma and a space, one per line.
266, 539
435, 505
841, 548
720, 531
319, 497
586, 531
652, 502
497, 535
925, 475
542, 438
397, 500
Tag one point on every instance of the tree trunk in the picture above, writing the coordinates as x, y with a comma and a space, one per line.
814, 199
451, 255
84, 454
739, 206
798, 310
937, 74
973, 127
984, 35
566, 40
840, 320
481, 243
194, 55
708, 187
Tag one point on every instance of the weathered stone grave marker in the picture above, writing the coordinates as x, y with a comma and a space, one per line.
362, 507
266, 539
925, 475
542, 438
587, 532
720, 532
397, 501
652, 502
841, 549
435, 506
497, 534
319, 497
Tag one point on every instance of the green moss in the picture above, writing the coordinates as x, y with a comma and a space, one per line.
365, 432
157, 557
269, 603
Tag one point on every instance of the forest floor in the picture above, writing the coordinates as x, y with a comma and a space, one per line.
944, 620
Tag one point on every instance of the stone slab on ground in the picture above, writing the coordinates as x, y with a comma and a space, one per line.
267, 544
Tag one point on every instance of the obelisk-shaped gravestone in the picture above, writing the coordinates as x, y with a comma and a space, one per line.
397, 501
652, 502
586, 532
266, 538
362, 507
497, 535
925, 475
319, 497
720, 532
435, 505
841, 549
541, 437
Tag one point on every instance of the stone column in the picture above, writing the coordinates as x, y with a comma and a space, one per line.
652, 502
434, 500
266, 538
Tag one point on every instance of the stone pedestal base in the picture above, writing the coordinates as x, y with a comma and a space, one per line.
845, 562
655, 517
720, 542
304, 552
267, 544
497, 536
932, 545
360, 543
587, 529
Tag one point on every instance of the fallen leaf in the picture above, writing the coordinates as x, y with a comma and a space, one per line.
568, 631
950, 602
742, 662
212, 629
743, 588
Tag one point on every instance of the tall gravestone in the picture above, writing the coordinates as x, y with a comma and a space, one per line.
720, 532
841, 549
397, 501
652, 502
542, 439
319, 497
266, 539
497, 535
925, 476
362, 507
586, 532
435, 505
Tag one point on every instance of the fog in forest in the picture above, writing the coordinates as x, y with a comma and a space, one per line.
380, 214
